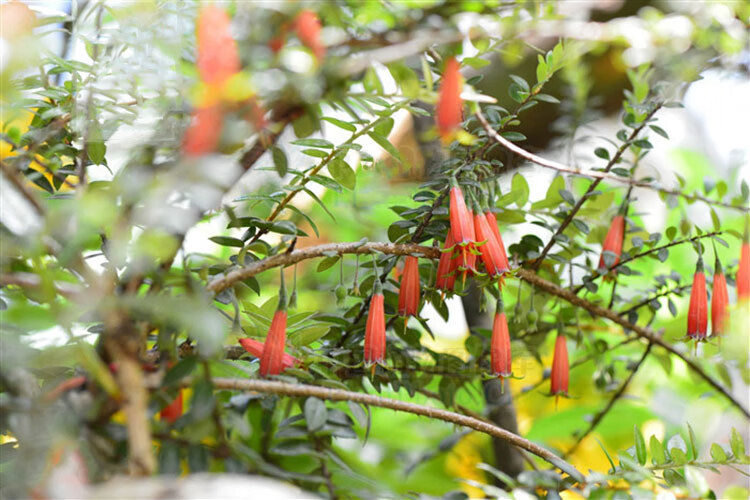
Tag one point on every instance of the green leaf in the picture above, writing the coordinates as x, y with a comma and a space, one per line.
691, 437
640, 446
327, 263
342, 173
602, 153
717, 454
95, 146
279, 161
314, 143
737, 444
340, 124
308, 334
227, 241
386, 144
315, 414
475, 62
520, 186
658, 456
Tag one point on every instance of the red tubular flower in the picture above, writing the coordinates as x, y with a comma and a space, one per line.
613, 241
218, 58
698, 312
272, 358
408, 295
449, 108
719, 301
500, 355
375, 328
202, 135
560, 369
743, 271
255, 347
492, 255
308, 28
446, 270
492, 221
462, 228
173, 410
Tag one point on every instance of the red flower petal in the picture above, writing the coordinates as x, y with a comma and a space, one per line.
308, 32
698, 311
202, 135
272, 359
256, 347
375, 331
408, 296
560, 369
613, 241
500, 353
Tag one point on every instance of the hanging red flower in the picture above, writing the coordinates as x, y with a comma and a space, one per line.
255, 347
218, 58
500, 354
560, 368
375, 328
697, 326
308, 29
493, 256
408, 295
613, 241
719, 301
449, 108
492, 221
272, 358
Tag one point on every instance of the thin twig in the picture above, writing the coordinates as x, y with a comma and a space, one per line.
650, 252
597, 176
646, 333
304, 390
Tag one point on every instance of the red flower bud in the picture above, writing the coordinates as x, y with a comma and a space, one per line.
446, 270
698, 312
173, 410
492, 254
308, 32
500, 355
719, 301
449, 108
202, 135
408, 295
375, 328
256, 348
613, 241
272, 359
217, 51
560, 369
743, 271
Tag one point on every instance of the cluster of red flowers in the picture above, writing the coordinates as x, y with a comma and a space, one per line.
697, 325
471, 233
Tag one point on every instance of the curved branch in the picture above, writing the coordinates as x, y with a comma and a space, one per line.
304, 390
649, 252
646, 333
286, 259
597, 176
